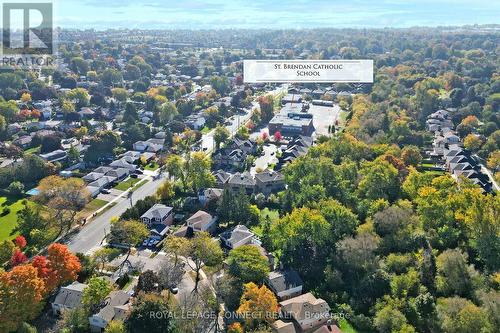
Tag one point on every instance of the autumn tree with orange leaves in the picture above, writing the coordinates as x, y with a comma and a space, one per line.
258, 305
21, 296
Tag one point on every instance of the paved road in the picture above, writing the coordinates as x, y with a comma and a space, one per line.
92, 234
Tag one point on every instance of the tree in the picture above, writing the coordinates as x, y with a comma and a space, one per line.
248, 264
141, 320
202, 250
379, 180
302, 237
74, 321
6, 251
494, 161
148, 282
64, 198
266, 104
389, 319
21, 295
221, 135
16, 188
18, 258
168, 111
50, 143
411, 156
58, 268
25, 98
278, 137
115, 326
128, 233
120, 94
259, 305
174, 165
235, 328
169, 273
79, 96
95, 292
199, 171
104, 255
473, 142
176, 246
102, 145
461, 315
166, 191
111, 77
454, 275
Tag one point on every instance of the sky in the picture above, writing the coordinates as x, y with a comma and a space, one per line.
277, 14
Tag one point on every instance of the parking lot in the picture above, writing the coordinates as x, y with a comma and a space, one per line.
324, 116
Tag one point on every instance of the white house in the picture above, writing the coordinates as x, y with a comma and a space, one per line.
202, 221
158, 214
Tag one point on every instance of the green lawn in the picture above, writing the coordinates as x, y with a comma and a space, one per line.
34, 150
152, 166
205, 130
92, 207
273, 215
8, 222
346, 327
126, 184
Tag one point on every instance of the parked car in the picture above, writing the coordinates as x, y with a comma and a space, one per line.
139, 172
134, 176
174, 290
105, 191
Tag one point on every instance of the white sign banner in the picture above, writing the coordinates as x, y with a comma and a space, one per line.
315, 71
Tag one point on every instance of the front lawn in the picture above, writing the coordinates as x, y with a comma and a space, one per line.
126, 184
152, 166
91, 207
8, 222
205, 130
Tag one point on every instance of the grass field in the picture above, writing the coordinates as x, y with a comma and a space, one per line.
125, 185
152, 166
8, 222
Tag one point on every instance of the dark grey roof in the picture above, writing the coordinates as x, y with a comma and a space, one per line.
70, 296
284, 280
269, 176
115, 299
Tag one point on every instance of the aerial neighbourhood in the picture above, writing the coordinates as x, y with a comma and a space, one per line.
145, 187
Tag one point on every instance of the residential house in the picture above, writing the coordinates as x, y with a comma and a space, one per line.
229, 158
23, 142
202, 221
93, 176
116, 308
285, 284
118, 173
221, 178
196, 121
238, 236
242, 181
123, 164
158, 214
268, 182
55, 156
102, 169
68, 297
102, 182
206, 196
307, 314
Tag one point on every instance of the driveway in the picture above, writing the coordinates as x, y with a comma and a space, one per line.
264, 161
